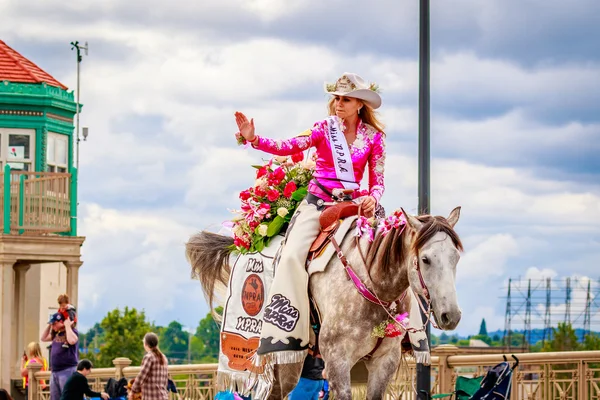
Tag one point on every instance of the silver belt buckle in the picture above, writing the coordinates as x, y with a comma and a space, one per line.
320, 202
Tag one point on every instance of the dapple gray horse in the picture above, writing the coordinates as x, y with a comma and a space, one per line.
424, 257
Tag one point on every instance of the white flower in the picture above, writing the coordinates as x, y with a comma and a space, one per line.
281, 159
282, 211
309, 164
261, 182
238, 230
262, 229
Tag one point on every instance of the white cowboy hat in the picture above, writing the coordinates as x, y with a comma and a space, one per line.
352, 85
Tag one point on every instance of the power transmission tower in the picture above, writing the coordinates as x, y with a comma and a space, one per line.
587, 320
548, 316
527, 333
507, 318
568, 302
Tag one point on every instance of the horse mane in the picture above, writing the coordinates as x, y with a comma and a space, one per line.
386, 251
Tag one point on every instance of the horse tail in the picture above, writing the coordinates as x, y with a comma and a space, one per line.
208, 254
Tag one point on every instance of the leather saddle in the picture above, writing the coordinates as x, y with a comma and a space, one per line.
330, 222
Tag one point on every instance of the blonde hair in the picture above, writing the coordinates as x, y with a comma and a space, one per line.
366, 114
34, 350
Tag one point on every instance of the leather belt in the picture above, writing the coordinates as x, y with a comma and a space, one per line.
317, 201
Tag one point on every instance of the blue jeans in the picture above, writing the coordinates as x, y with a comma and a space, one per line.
58, 380
306, 389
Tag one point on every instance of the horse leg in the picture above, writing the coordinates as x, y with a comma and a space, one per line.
382, 368
286, 379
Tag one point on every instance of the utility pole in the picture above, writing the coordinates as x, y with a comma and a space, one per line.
424, 371
78, 47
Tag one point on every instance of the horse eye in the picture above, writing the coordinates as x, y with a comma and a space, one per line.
425, 260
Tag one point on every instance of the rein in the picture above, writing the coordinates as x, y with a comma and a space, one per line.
372, 296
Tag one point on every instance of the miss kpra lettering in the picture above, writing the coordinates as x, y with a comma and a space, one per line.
281, 313
255, 265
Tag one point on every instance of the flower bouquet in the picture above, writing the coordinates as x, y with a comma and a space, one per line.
267, 207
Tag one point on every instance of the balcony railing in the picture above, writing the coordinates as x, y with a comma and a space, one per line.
38, 203
540, 376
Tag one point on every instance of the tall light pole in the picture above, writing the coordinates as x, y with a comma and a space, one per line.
78, 47
424, 371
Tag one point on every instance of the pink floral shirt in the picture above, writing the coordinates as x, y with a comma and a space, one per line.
367, 148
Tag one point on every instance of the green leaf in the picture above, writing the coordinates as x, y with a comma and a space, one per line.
275, 226
259, 245
300, 194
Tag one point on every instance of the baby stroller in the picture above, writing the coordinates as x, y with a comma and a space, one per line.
495, 385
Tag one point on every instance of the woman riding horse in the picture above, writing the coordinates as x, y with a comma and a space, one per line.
346, 142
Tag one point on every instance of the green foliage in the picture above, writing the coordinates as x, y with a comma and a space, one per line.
591, 342
123, 337
563, 339
208, 333
483, 328
173, 342
484, 338
516, 340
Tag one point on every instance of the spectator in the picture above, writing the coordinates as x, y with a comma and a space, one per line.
67, 310
4, 395
33, 354
77, 385
153, 378
63, 361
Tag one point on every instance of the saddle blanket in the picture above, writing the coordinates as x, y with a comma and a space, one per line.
319, 263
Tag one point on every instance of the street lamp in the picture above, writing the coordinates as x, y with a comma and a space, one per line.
76, 45
424, 371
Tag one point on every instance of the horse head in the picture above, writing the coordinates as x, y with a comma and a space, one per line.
435, 252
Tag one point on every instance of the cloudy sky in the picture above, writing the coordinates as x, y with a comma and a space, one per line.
515, 127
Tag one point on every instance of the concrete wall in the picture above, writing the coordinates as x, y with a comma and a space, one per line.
44, 283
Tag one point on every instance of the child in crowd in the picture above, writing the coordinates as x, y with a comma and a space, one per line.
68, 311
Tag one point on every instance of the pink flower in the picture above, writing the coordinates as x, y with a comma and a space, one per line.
363, 226
273, 195
245, 195
289, 189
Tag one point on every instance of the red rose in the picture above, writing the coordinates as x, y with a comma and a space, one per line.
262, 171
297, 157
245, 195
259, 192
279, 173
289, 189
273, 195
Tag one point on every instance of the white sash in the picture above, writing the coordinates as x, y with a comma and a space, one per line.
341, 154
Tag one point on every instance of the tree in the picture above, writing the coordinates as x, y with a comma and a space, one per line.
483, 328
444, 338
123, 336
564, 338
173, 342
208, 332
591, 342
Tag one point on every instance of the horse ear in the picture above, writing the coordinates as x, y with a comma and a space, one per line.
412, 220
454, 216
